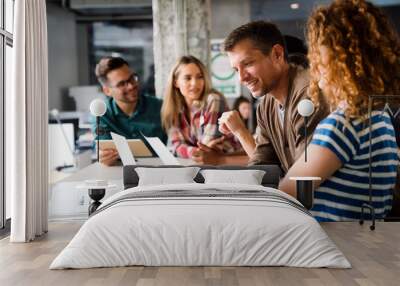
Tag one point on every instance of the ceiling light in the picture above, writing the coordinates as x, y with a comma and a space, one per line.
295, 6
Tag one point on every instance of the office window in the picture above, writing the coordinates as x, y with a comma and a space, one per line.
132, 40
6, 64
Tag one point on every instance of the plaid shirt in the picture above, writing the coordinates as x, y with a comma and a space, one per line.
202, 127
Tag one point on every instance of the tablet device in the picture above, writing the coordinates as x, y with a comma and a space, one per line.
137, 147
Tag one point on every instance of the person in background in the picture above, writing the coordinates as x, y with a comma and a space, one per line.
128, 114
354, 52
243, 106
257, 52
190, 115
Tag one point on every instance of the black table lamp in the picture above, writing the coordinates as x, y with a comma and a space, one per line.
305, 185
96, 193
98, 108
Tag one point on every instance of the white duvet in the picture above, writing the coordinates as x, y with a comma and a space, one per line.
200, 231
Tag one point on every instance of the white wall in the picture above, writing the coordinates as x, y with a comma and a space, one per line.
63, 55
82, 51
226, 15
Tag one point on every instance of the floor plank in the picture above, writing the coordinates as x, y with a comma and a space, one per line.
374, 255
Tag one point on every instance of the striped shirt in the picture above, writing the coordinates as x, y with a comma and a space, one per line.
201, 127
340, 197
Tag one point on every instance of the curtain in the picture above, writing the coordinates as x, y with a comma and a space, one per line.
26, 123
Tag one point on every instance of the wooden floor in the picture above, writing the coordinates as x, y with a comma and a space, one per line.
374, 255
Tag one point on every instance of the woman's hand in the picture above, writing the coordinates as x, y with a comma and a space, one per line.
205, 155
216, 144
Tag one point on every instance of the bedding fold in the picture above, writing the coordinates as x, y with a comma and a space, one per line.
201, 225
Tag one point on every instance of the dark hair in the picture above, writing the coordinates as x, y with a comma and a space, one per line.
239, 101
106, 65
264, 36
295, 45
297, 51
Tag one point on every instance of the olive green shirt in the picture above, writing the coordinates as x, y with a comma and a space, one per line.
146, 120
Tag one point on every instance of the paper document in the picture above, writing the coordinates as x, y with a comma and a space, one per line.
162, 151
123, 149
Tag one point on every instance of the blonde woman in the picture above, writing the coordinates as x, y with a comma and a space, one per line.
354, 52
190, 113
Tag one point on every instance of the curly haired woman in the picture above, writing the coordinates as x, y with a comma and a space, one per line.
354, 52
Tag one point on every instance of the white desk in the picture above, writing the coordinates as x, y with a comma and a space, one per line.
67, 202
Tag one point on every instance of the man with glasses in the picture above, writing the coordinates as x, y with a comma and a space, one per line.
128, 113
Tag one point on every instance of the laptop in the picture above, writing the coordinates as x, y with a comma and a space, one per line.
162, 151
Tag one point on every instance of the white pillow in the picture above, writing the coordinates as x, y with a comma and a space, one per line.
164, 176
248, 177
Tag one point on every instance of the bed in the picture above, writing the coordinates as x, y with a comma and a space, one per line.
201, 224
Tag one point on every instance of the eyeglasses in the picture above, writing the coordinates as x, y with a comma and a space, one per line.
133, 79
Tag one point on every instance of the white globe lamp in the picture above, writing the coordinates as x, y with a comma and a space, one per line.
305, 107
98, 108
